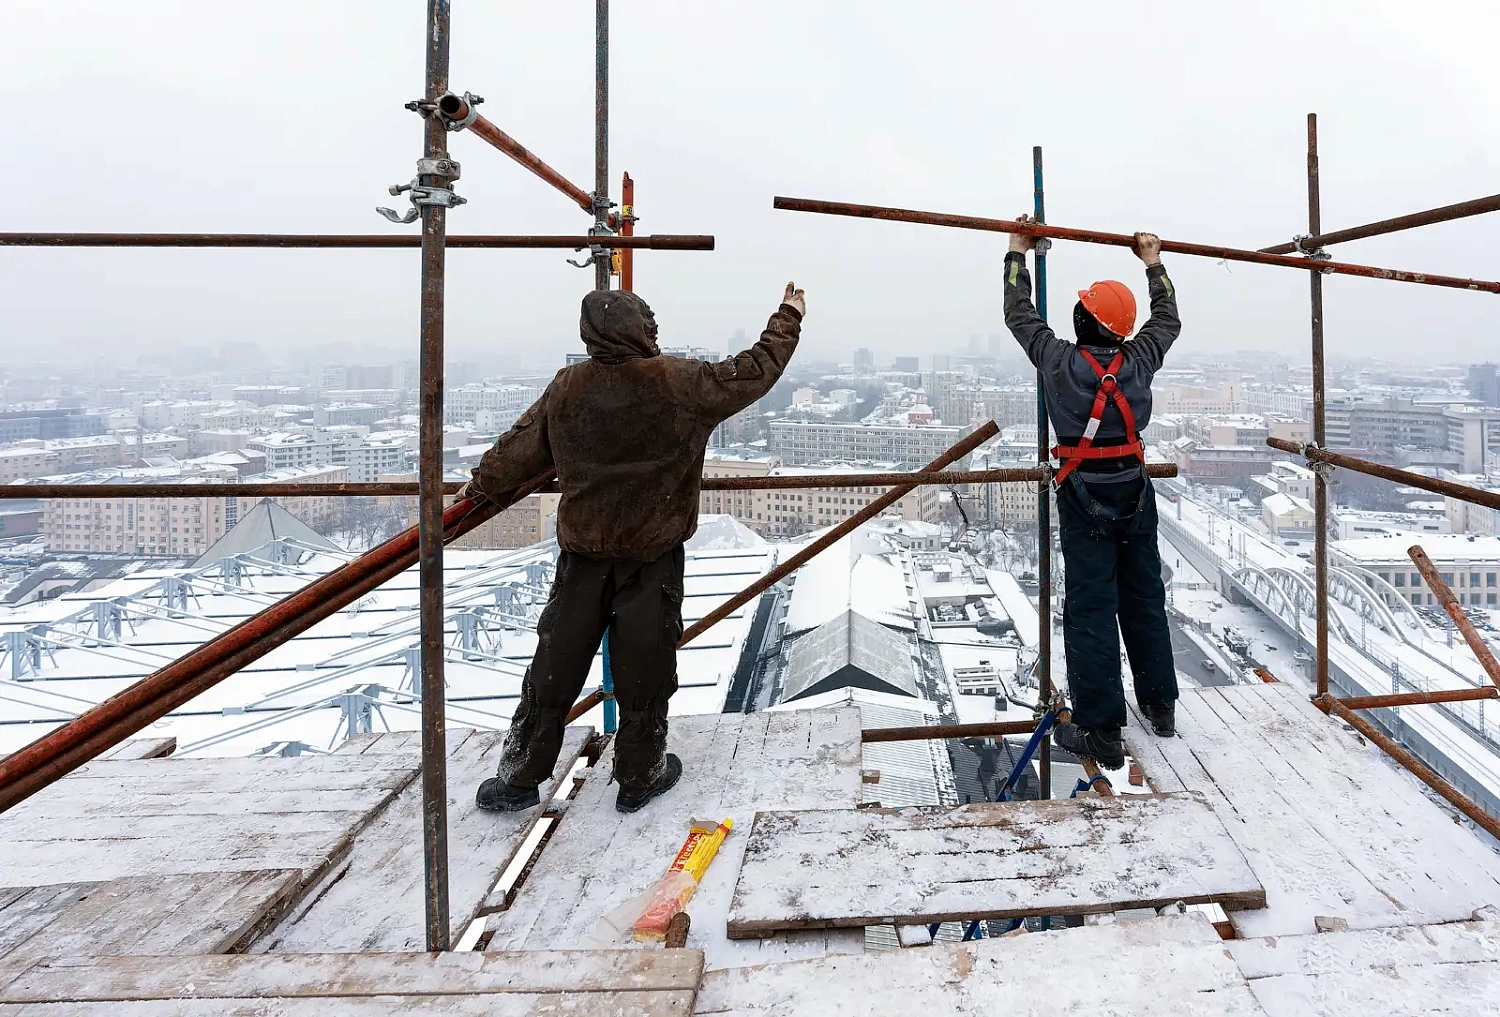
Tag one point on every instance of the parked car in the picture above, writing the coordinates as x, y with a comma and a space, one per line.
1209, 665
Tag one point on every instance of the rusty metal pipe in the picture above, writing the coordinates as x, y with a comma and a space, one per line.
1319, 417
455, 108
585, 704
1462, 492
1420, 698
1423, 772
251, 489
627, 229
1455, 611
1461, 210
248, 641
601, 136
833, 536
971, 222
660, 242
913, 734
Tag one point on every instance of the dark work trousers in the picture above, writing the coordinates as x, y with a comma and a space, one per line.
640, 603
1108, 532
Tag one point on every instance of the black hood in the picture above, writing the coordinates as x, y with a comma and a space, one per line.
617, 326
1088, 330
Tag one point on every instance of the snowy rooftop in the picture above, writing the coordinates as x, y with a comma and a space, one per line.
1442, 548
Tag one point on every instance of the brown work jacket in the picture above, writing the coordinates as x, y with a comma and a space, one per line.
627, 429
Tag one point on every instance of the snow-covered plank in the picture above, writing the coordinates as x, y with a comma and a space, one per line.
394, 741
72, 831
376, 904
1162, 967
824, 869
190, 914
142, 748
1302, 871
734, 765
657, 982
1408, 970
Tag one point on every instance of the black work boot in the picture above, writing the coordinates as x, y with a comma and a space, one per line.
497, 796
1162, 718
633, 801
1101, 744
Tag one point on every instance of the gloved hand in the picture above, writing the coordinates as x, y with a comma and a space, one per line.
1148, 248
1022, 242
470, 492
793, 297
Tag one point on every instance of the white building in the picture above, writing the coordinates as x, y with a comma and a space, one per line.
798, 442
1469, 565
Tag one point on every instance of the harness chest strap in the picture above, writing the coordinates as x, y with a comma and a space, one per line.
1109, 388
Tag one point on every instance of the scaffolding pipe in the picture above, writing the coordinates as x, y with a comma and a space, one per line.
833, 536
913, 734
1319, 416
457, 109
1455, 611
601, 138
971, 222
1420, 698
1448, 488
251, 489
627, 229
1461, 210
1424, 773
430, 506
1043, 491
140, 705
660, 242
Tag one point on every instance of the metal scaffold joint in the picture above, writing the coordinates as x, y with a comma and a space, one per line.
467, 108
441, 171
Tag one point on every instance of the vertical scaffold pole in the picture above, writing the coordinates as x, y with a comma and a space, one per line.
1043, 496
430, 476
1319, 423
601, 135
611, 719
627, 229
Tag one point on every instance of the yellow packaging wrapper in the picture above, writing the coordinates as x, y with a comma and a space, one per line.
676, 888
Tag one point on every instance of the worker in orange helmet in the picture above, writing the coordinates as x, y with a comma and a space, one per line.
1098, 393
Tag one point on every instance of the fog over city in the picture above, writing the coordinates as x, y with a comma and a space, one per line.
1180, 118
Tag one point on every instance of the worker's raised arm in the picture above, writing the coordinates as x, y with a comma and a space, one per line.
730, 385
1040, 344
517, 456
1156, 337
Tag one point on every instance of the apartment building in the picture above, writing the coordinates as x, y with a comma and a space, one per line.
499, 404
287, 449
532, 519
19, 425
787, 513
1469, 564
798, 442
378, 453
34, 458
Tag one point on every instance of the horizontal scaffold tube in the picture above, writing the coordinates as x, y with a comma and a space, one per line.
1420, 698
1461, 210
971, 222
251, 489
991, 729
660, 242
1462, 492
151, 698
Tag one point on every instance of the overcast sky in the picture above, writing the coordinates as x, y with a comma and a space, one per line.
1180, 118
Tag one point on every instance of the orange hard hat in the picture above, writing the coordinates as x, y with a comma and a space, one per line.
1112, 305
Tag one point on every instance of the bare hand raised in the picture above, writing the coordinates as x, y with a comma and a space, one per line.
1148, 248
1022, 242
793, 297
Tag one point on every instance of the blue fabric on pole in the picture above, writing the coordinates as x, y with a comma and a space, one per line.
610, 721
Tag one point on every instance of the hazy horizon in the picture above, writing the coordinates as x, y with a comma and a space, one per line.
1190, 122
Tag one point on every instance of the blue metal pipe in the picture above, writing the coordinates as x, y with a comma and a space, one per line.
1043, 500
611, 721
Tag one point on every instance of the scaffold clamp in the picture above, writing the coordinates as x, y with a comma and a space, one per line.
1042, 246
471, 103
434, 194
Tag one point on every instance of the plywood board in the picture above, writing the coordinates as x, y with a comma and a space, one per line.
142, 748
1330, 827
377, 902
1163, 967
174, 914
653, 983
1395, 972
823, 869
734, 765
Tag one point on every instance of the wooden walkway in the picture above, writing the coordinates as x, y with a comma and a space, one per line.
1330, 826
617, 983
376, 901
734, 765
823, 869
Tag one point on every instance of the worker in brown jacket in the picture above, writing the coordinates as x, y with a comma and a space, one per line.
626, 431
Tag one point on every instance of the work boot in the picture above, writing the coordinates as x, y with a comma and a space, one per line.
497, 796
633, 801
1101, 744
1162, 718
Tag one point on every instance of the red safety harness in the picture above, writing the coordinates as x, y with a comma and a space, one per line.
1109, 388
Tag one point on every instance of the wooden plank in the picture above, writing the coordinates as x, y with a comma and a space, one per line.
377, 903
1297, 865
1410, 970
35, 909
824, 869
563, 1004
288, 976
397, 741
734, 765
1163, 967
142, 748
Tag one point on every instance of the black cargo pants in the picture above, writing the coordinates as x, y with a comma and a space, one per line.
640, 603
1108, 533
